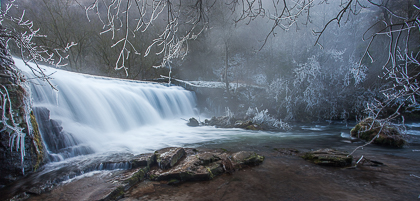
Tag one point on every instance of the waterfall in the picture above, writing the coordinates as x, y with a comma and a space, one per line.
91, 114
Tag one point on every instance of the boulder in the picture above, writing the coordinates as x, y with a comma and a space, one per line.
143, 160
329, 157
193, 122
205, 165
220, 122
175, 165
369, 128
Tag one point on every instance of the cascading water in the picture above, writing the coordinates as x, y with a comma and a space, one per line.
90, 114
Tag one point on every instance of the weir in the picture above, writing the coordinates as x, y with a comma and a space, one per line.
91, 114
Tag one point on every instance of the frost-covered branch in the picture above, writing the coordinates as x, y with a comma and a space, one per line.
184, 22
21, 32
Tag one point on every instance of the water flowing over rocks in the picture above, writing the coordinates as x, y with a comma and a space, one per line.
59, 142
116, 174
384, 134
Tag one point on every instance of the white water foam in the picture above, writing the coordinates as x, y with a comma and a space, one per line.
107, 114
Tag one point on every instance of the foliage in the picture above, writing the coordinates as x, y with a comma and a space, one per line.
263, 118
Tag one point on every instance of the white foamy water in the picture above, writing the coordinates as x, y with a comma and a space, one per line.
100, 114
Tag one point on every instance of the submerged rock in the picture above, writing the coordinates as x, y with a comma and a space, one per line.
329, 157
369, 128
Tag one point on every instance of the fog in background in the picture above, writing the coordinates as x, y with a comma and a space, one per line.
298, 80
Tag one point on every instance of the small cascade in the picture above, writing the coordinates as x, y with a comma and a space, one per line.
91, 114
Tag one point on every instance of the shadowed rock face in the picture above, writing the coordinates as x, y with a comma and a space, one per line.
55, 138
168, 157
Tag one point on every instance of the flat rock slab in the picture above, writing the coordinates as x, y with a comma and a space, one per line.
329, 157
97, 185
247, 158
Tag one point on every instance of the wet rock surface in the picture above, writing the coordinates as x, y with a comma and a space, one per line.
205, 165
166, 158
282, 176
329, 157
55, 138
193, 122
13, 163
120, 173
226, 122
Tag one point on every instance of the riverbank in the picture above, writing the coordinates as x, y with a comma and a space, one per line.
282, 176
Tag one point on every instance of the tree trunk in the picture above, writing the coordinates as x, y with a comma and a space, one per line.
226, 66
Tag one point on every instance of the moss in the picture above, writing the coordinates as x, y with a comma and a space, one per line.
308, 156
138, 176
173, 182
152, 176
116, 194
210, 173
254, 159
389, 135
38, 141
355, 130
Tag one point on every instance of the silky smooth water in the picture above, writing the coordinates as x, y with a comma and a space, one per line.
100, 114
114, 118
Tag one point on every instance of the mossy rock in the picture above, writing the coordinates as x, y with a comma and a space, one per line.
247, 158
329, 157
389, 135
37, 139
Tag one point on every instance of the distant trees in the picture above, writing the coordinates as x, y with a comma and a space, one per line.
145, 38
64, 22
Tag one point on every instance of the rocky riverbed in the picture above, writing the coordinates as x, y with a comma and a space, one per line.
111, 178
283, 175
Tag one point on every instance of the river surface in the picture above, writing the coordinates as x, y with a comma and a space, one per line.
299, 179
175, 133
110, 120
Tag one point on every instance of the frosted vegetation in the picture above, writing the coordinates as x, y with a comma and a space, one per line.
263, 118
307, 67
311, 68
